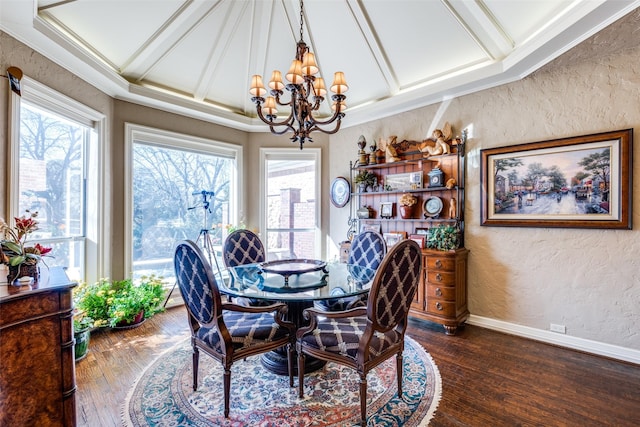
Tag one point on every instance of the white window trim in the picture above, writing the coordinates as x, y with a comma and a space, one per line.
97, 252
174, 140
314, 154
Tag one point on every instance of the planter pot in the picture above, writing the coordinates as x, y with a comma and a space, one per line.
82, 343
137, 321
23, 270
406, 212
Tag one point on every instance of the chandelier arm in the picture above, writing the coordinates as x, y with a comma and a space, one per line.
286, 122
336, 115
274, 131
329, 132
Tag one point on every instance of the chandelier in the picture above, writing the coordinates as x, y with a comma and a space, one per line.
307, 94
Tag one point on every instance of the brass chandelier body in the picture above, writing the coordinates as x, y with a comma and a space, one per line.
307, 94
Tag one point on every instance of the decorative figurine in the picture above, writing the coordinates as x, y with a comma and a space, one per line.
391, 155
372, 156
362, 155
452, 208
451, 182
441, 145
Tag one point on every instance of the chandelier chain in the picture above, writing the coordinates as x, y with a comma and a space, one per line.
301, 18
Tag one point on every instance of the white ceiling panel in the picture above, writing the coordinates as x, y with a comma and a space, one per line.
190, 56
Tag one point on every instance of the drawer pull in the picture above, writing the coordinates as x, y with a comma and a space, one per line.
438, 263
439, 306
438, 292
438, 277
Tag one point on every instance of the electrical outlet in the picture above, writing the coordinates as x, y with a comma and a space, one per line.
558, 328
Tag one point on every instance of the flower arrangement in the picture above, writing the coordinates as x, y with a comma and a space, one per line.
408, 200
14, 250
110, 303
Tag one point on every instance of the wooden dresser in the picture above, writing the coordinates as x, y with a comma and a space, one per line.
37, 369
442, 293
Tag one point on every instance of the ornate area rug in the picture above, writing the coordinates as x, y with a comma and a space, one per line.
164, 396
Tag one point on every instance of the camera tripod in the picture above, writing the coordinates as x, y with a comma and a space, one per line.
204, 237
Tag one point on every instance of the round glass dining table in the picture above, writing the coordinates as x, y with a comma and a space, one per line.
297, 283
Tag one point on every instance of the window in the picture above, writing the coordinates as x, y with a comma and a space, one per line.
182, 187
290, 203
49, 174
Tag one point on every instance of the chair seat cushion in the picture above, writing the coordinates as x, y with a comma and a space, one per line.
342, 336
341, 304
246, 329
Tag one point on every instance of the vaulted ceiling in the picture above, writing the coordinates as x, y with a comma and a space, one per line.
196, 57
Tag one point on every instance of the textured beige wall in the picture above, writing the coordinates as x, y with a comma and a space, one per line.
588, 280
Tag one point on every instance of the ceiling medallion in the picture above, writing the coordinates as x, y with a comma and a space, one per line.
307, 94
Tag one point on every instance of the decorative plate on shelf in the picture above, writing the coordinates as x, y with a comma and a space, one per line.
340, 192
433, 206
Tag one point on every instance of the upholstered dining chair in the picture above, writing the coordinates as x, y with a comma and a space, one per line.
364, 337
367, 250
223, 330
244, 247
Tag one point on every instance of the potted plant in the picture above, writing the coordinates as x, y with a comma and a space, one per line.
121, 303
443, 238
81, 333
407, 202
22, 258
365, 179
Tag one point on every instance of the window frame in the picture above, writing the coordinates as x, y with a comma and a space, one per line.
175, 140
95, 221
313, 154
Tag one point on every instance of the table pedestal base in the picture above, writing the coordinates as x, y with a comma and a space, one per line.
276, 361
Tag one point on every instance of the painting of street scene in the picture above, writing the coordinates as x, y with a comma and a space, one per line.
570, 182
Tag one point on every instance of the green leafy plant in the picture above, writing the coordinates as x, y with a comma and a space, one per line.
110, 303
443, 238
365, 177
81, 322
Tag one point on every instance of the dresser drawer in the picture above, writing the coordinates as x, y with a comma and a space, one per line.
446, 293
441, 263
443, 278
441, 308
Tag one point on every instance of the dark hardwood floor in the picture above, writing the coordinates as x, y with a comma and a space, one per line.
488, 378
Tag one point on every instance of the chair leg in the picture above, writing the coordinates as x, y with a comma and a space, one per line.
196, 359
363, 399
300, 374
290, 363
399, 373
227, 389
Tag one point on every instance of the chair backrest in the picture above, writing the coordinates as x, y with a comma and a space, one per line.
367, 250
394, 286
242, 247
197, 282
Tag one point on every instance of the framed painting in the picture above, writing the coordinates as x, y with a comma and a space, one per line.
386, 210
422, 231
420, 239
577, 182
391, 238
403, 181
375, 226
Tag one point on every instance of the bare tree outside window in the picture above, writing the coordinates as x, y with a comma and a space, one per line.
51, 182
168, 186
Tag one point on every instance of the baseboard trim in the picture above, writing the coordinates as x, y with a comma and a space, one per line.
581, 344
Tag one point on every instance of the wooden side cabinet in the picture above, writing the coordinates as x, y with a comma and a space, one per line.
37, 367
442, 293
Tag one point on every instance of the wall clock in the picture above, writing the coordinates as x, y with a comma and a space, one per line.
432, 206
340, 192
